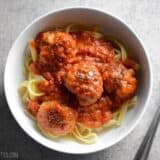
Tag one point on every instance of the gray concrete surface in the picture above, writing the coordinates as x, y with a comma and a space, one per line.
142, 15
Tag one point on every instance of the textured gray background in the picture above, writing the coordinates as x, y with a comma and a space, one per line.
142, 15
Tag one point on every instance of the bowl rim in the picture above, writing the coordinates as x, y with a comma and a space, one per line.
92, 9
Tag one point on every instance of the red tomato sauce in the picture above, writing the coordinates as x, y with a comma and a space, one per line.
81, 72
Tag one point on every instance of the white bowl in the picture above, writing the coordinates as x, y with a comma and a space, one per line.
13, 76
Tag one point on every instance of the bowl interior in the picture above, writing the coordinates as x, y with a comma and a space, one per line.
109, 26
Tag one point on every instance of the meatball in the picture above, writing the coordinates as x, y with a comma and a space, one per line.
59, 38
84, 80
96, 114
55, 118
54, 50
119, 80
94, 50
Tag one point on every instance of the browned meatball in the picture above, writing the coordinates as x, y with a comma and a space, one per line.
56, 119
55, 49
97, 114
119, 80
63, 38
84, 80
